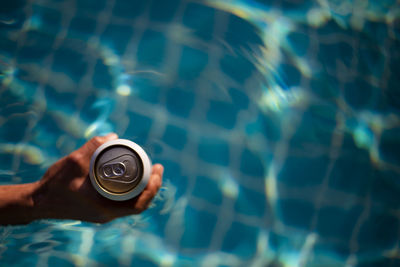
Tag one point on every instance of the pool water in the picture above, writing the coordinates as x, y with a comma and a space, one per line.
277, 122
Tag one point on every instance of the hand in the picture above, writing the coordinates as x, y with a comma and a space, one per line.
65, 192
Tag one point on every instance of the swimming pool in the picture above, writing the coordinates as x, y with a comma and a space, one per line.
277, 123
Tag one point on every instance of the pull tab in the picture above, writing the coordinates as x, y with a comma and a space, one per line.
114, 170
122, 169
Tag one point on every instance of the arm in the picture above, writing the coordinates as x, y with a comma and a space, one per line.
16, 203
65, 192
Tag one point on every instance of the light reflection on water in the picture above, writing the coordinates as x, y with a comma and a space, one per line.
268, 117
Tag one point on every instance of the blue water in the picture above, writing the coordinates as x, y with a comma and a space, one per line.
277, 122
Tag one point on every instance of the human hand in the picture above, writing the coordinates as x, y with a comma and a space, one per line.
65, 191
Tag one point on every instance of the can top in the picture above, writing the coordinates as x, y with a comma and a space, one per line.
120, 169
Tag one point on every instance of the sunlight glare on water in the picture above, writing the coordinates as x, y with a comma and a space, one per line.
277, 123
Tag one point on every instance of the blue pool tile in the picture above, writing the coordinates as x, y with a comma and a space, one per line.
146, 89
371, 60
175, 136
302, 171
360, 94
330, 54
222, 114
394, 59
38, 46
151, 48
236, 67
88, 6
50, 124
250, 202
239, 98
379, 232
390, 146
325, 86
70, 61
141, 260
180, 102
336, 250
129, 9
8, 110
199, 19
334, 222
265, 124
81, 27
19, 122
29, 258
14, 10
299, 42
172, 168
5, 158
91, 109
214, 150
317, 126
192, 63
50, 18
352, 173
241, 240
164, 10
381, 262
116, 37
277, 240
251, 164
295, 212
385, 189
204, 222
56, 261
8, 47
173, 174
102, 77
330, 28
66, 241
299, 6
290, 75
241, 34
393, 93
27, 92
139, 127
270, 126
60, 100
208, 189
377, 30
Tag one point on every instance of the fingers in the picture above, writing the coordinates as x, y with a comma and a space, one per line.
139, 204
151, 189
87, 150
157, 169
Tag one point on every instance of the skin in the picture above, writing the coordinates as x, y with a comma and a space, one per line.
65, 192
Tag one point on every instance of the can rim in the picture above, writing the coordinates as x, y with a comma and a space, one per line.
142, 183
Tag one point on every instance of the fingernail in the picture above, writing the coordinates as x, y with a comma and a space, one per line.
159, 168
111, 136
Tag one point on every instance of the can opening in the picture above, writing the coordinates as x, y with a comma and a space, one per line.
118, 169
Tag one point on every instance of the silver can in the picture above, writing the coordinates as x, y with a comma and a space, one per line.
120, 169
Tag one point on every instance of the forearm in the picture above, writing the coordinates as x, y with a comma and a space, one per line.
16, 204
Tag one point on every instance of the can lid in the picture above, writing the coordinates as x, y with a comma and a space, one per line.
120, 169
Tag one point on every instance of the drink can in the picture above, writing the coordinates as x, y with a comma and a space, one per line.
120, 169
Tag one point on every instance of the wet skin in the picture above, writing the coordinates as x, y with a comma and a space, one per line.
65, 192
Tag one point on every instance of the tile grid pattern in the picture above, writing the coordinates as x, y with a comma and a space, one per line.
190, 107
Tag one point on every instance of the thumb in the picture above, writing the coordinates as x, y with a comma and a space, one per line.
86, 151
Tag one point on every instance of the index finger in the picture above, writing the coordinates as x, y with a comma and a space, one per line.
86, 151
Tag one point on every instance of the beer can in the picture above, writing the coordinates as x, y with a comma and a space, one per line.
120, 169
